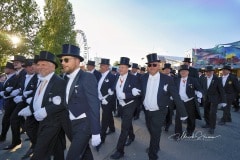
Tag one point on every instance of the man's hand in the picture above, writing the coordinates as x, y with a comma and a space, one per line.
25, 112
136, 92
15, 92
40, 114
26, 93
96, 140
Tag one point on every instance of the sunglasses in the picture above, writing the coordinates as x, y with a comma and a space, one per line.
152, 65
66, 60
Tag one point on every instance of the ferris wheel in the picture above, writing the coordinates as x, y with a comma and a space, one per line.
82, 41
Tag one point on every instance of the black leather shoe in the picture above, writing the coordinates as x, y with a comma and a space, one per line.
189, 134
211, 131
206, 126
11, 146
129, 141
28, 154
116, 155
2, 138
110, 132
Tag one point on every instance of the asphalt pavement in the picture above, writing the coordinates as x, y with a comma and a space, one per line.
223, 145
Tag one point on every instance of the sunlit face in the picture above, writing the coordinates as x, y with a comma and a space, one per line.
35, 68
225, 72
153, 68
104, 68
45, 68
123, 69
184, 73
17, 65
69, 64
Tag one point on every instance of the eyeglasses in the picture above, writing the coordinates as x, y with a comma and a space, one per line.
152, 65
66, 60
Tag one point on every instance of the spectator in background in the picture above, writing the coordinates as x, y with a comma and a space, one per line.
91, 69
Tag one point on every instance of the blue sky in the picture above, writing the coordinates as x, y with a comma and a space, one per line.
116, 28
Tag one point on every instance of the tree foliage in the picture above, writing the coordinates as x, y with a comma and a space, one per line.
18, 18
58, 27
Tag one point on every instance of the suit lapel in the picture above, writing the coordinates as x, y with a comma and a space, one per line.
74, 84
48, 89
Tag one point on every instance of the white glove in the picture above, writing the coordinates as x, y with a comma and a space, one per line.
15, 92
122, 103
40, 114
183, 118
135, 92
9, 89
165, 87
110, 92
199, 100
29, 100
17, 99
171, 98
96, 140
26, 93
2, 93
198, 94
104, 102
122, 95
25, 112
223, 104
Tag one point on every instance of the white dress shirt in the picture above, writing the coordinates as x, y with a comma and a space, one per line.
182, 90
27, 80
209, 80
120, 84
150, 101
38, 97
224, 79
100, 96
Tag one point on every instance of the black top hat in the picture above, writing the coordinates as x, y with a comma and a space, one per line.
28, 62
71, 50
153, 57
173, 71
124, 61
91, 63
135, 65
209, 68
35, 58
227, 67
167, 65
183, 67
114, 69
47, 56
187, 60
201, 70
19, 58
105, 61
143, 69
9, 65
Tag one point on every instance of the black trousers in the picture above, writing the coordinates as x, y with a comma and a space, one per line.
227, 110
168, 120
107, 120
138, 107
16, 121
50, 140
31, 126
154, 122
126, 126
9, 108
81, 134
191, 111
210, 114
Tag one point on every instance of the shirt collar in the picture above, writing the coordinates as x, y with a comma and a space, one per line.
73, 74
155, 76
48, 77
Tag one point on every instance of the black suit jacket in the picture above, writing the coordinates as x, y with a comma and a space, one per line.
163, 97
192, 85
97, 74
215, 93
231, 87
84, 94
108, 83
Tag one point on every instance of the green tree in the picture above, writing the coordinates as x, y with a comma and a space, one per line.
58, 27
18, 18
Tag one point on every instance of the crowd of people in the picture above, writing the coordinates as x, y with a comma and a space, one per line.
50, 108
